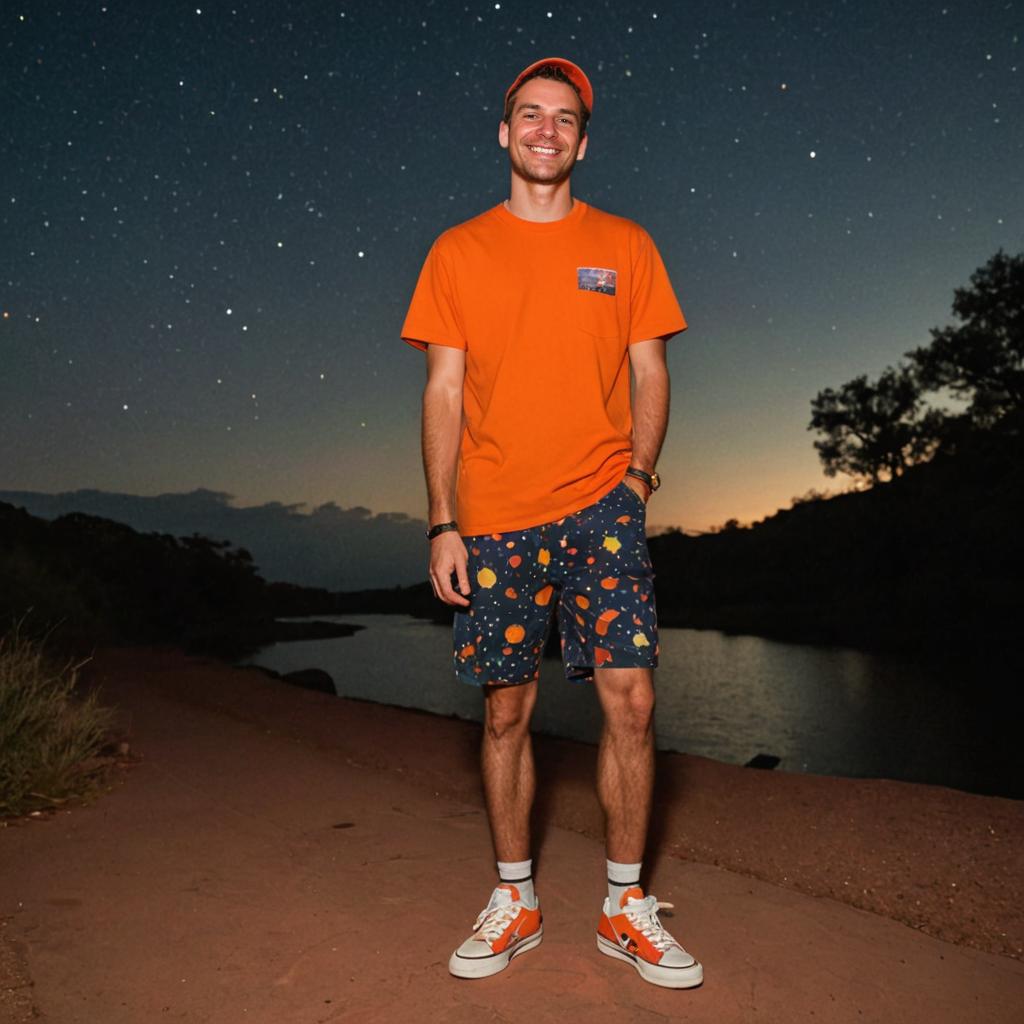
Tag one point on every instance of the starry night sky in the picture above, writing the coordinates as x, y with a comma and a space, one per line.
212, 218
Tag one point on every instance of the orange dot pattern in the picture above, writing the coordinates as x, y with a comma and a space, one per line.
514, 634
590, 571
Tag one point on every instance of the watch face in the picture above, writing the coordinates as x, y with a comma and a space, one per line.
655, 481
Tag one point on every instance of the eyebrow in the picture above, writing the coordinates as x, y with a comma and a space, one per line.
537, 106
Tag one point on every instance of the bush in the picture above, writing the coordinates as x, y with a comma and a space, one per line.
49, 739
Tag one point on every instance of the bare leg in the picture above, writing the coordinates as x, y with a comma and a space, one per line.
625, 759
506, 760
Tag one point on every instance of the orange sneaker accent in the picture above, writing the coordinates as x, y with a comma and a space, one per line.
632, 893
504, 929
637, 936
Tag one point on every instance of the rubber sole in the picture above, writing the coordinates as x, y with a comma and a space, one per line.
666, 977
485, 966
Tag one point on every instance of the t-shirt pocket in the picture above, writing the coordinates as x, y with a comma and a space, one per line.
597, 313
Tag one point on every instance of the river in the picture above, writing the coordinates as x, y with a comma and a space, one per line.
825, 710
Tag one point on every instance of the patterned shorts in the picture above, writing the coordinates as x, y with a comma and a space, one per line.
592, 565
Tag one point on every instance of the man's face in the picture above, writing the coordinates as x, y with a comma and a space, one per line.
543, 134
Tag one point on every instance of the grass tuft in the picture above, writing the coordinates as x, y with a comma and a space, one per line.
50, 739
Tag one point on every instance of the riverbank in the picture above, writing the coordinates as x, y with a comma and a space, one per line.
276, 854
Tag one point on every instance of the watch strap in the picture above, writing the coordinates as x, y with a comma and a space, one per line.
652, 480
434, 531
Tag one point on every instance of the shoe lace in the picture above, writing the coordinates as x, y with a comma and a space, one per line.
496, 916
643, 915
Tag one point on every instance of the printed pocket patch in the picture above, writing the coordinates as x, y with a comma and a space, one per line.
596, 279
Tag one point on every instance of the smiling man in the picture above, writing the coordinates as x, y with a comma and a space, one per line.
539, 460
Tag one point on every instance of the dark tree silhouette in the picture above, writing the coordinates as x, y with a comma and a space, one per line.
728, 526
874, 431
982, 359
877, 431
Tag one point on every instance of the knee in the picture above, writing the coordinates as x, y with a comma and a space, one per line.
631, 712
507, 714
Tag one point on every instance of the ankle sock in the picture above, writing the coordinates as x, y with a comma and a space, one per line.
620, 878
520, 874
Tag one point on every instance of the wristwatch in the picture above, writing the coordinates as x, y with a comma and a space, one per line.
441, 528
652, 480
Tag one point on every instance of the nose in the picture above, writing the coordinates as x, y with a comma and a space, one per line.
548, 127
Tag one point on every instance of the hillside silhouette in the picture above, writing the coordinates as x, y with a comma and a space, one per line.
91, 581
326, 546
929, 561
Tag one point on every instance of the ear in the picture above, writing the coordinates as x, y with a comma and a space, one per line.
583, 147
503, 135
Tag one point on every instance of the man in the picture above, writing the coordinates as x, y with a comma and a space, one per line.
532, 316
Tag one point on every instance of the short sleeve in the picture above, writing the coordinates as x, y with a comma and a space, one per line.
654, 309
433, 317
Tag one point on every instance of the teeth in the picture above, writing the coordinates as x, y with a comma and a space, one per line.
543, 149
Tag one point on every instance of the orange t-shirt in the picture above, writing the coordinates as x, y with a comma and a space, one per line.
546, 313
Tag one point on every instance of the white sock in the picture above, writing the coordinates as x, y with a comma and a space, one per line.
620, 878
520, 874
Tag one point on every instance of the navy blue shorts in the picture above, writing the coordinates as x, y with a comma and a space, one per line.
593, 565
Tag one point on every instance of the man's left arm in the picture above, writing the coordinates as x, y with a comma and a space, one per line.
650, 406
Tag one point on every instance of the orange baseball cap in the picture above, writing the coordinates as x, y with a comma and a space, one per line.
572, 71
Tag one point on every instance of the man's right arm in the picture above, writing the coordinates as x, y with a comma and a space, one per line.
442, 435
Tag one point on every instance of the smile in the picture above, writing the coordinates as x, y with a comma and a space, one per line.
546, 150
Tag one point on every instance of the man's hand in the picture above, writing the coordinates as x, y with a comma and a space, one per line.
635, 484
448, 555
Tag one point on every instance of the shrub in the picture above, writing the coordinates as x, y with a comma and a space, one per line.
49, 738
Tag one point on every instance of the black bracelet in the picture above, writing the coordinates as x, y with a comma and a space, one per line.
441, 528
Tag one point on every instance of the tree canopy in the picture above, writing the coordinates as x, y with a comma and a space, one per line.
981, 359
875, 430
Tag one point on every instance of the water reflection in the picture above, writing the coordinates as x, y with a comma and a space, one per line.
825, 710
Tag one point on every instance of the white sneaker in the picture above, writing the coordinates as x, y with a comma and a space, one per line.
505, 928
637, 936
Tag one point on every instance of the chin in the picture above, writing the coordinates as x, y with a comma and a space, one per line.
543, 175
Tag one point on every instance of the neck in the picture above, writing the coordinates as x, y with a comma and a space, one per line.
540, 202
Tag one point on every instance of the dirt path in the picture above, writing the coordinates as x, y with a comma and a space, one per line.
278, 856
